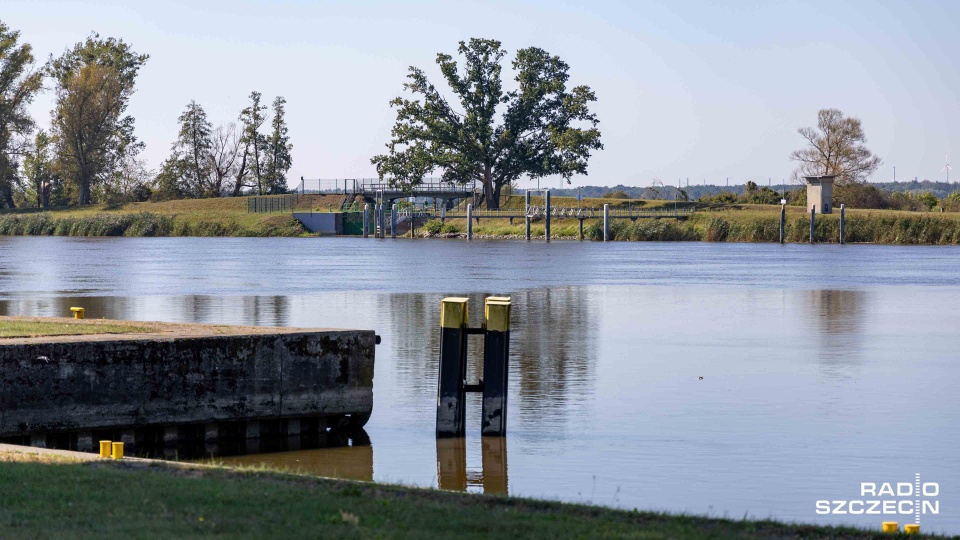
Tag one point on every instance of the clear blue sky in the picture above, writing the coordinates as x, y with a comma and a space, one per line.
686, 89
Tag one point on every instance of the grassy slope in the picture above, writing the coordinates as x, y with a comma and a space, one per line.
13, 329
54, 497
190, 217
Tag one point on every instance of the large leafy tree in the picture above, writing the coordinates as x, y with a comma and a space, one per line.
835, 147
544, 128
278, 159
95, 80
19, 84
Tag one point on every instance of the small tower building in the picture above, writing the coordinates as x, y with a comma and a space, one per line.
820, 193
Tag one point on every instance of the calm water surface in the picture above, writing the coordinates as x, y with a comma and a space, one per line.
727, 380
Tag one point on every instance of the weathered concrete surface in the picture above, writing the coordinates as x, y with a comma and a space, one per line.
183, 374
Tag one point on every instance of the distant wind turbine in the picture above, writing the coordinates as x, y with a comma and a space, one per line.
947, 168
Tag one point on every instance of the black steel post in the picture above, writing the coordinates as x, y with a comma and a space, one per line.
813, 219
496, 365
842, 223
451, 397
547, 221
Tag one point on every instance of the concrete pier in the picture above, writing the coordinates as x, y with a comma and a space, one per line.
174, 375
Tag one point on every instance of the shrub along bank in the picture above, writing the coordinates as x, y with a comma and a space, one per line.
190, 217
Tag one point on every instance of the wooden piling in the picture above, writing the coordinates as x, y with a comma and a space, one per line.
581, 228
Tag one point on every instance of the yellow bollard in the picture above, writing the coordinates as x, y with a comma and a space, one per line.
117, 450
77, 312
891, 527
104, 449
912, 528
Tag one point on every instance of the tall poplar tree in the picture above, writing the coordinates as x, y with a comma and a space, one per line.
251, 120
278, 160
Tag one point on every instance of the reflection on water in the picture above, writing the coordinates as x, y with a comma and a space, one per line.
720, 379
455, 474
353, 461
836, 318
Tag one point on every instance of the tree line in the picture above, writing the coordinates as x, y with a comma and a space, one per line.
91, 153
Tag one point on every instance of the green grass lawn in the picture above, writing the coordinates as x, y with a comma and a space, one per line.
20, 329
57, 498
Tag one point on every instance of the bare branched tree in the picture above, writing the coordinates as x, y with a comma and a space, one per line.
224, 155
835, 147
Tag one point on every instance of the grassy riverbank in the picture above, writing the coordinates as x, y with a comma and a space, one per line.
712, 223
55, 496
748, 223
190, 217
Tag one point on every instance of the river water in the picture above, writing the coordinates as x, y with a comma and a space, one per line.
718, 379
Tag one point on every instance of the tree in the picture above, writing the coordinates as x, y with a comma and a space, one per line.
39, 169
537, 136
243, 167
278, 160
835, 147
252, 119
224, 155
19, 84
197, 145
95, 81
193, 152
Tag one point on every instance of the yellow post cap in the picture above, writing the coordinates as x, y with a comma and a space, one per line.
117, 450
496, 313
891, 527
77, 312
105, 449
453, 312
912, 528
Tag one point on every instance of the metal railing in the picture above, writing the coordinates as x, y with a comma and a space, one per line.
573, 212
266, 204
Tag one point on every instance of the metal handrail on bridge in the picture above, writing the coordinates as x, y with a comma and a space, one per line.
427, 187
573, 212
